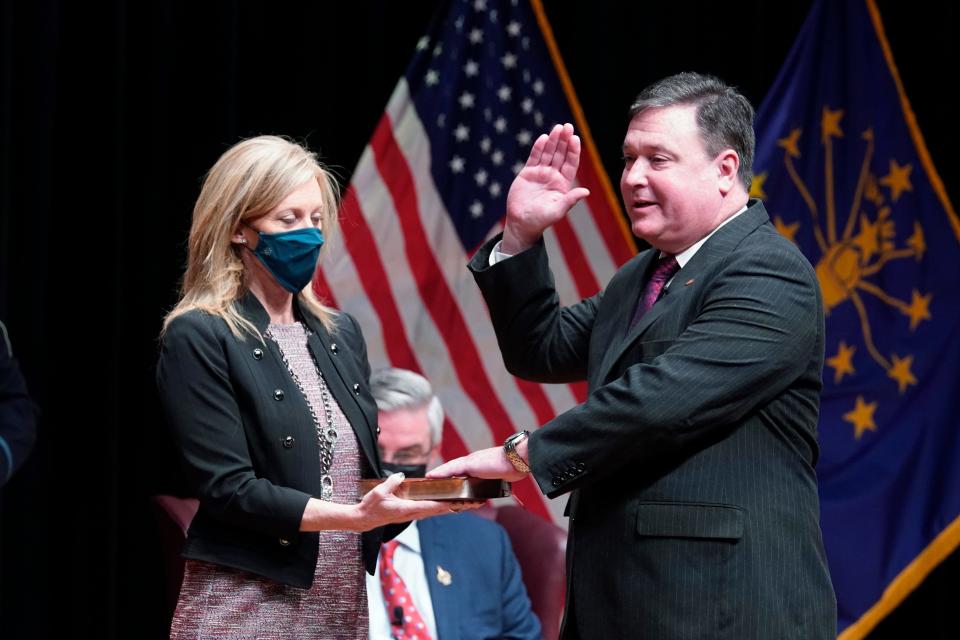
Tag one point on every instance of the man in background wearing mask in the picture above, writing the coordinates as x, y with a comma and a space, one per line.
452, 576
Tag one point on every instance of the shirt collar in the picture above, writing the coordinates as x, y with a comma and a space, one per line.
410, 538
684, 256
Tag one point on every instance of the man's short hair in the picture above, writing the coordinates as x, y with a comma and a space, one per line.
724, 116
395, 389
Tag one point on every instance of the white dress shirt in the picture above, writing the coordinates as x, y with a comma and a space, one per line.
408, 563
684, 256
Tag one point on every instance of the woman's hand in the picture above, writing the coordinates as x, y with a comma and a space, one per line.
379, 507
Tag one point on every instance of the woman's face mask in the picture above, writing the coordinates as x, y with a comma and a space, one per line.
290, 256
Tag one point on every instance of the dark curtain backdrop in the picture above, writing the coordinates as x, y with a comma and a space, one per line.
110, 112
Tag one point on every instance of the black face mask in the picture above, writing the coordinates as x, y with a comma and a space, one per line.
408, 470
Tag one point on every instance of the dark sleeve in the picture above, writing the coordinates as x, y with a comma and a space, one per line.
519, 621
755, 334
539, 341
196, 391
18, 416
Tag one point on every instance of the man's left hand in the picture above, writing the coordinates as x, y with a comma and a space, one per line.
486, 463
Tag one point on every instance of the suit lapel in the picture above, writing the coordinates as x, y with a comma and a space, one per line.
436, 553
623, 293
338, 380
703, 261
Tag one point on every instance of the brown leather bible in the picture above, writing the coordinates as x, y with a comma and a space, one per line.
445, 488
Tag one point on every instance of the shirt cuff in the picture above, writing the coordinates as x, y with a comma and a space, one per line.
498, 256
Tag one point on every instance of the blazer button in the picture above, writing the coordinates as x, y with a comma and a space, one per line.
356, 388
333, 347
288, 442
284, 542
258, 354
581, 467
555, 482
378, 429
278, 395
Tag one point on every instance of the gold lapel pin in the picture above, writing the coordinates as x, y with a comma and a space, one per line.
443, 576
688, 282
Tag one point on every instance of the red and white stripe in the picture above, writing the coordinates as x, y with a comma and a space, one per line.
401, 271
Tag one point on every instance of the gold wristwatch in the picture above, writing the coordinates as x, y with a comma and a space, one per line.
510, 448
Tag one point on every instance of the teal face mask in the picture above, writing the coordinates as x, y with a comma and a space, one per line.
291, 256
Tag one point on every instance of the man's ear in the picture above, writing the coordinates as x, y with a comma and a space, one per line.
728, 166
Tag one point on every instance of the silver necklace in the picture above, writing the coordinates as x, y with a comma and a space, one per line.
326, 436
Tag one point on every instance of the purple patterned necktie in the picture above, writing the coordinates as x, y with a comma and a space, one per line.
667, 266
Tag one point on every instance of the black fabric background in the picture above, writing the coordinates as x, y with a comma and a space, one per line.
111, 111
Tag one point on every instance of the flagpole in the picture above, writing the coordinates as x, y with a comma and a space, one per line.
580, 119
911, 120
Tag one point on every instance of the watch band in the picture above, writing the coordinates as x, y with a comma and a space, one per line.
510, 449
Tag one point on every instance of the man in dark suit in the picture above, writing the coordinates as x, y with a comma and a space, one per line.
458, 570
694, 509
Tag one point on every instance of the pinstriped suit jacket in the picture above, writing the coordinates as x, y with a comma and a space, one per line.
694, 509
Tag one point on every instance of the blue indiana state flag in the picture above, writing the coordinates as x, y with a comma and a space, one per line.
845, 174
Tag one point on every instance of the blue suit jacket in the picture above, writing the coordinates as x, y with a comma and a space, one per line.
485, 597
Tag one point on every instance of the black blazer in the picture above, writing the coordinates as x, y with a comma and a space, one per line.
694, 510
249, 442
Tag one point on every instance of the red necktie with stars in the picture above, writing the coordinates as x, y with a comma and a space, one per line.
667, 267
405, 620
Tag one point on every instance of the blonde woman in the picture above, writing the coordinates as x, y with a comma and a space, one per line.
266, 391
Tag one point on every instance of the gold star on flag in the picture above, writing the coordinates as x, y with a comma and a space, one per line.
872, 191
917, 241
861, 417
900, 371
898, 180
868, 239
830, 123
919, 309
788, 231
789, 144
842, 363
756, 186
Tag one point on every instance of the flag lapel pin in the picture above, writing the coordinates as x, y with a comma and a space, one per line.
443, 576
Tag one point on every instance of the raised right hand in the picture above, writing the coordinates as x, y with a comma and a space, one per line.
543, 193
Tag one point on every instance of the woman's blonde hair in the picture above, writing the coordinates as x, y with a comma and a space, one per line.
248, 180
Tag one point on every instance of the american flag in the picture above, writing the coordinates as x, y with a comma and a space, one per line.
431, 187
